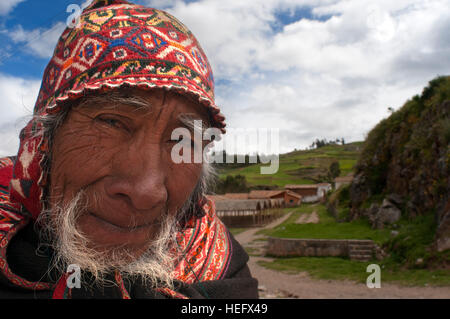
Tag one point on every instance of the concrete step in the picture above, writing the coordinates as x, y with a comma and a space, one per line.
362, 245
359, 242
360, 251
361, 258
359, 248
361, 255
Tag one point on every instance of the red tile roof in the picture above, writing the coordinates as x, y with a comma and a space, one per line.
301, 186
265, 193
236, 195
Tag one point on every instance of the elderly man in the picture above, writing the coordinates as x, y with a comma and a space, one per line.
94, 204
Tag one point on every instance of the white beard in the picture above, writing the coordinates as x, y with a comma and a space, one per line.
71, 246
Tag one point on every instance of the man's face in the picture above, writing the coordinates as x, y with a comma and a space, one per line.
120, 156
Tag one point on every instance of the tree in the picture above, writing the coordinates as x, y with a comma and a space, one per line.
334, 171
232, 184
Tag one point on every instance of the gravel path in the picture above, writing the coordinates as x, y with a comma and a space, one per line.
312, 218
274, 284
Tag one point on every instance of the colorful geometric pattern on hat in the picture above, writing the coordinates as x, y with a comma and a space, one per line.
104, 3
117, 43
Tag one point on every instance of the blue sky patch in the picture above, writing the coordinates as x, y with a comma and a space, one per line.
287, 16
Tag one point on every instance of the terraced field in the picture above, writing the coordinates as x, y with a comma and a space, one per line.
301, 167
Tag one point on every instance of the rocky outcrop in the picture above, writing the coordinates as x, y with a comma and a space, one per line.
408, 157
387, 213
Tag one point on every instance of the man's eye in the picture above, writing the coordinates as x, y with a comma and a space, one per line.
184, 141
111, 122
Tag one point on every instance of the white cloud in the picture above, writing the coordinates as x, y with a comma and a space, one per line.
18, 98
6, 6
39, 41
333, 75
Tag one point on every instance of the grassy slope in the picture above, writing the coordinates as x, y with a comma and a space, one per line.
301, 167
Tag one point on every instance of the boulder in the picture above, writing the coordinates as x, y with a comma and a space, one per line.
394, 233
396, 199
387, 214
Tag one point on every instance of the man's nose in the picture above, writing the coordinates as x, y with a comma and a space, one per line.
139, 180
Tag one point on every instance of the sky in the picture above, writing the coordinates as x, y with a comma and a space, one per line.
308, 68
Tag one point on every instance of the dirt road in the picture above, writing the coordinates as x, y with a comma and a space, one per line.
274, 284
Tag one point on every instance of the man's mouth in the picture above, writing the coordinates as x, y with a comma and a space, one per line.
121, 228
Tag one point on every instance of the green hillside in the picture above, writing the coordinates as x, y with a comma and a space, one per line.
300, 167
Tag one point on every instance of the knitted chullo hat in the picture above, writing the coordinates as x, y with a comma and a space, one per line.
116, 44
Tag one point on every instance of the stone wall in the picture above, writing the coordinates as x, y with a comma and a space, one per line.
288, 247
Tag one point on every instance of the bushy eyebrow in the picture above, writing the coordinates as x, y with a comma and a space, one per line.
116, 102
192, 121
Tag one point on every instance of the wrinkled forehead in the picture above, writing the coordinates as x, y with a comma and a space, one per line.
142, 102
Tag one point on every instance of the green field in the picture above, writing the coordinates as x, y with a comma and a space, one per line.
393, 267
300, 167
327, 228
